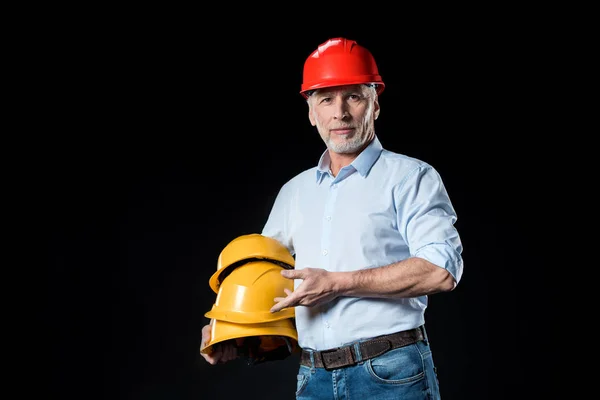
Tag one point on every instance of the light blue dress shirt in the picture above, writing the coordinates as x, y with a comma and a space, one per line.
383, 208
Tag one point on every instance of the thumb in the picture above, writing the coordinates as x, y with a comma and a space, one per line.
206, 333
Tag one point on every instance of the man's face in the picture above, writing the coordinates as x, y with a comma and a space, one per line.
344, 116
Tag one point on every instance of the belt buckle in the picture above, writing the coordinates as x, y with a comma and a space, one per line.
346, 350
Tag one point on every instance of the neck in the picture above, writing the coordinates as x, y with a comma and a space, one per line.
339, 161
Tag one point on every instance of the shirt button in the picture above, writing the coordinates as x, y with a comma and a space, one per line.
324, 252
328, 218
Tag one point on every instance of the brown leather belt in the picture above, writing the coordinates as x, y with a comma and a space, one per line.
346, 355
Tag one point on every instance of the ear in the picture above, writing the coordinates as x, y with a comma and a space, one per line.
311, 118
376, 108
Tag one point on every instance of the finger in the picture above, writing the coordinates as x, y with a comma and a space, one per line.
281, 303
214, 356
292, 273
229, 352
226, 356
287, 291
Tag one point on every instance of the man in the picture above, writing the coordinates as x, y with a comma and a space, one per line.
372, 233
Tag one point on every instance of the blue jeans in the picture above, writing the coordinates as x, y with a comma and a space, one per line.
406, 373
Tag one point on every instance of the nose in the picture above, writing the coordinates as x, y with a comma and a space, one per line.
340, 110
341, 115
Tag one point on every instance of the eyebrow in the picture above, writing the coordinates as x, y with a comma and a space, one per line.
344, 92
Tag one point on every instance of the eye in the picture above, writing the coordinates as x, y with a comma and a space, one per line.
325, 100
354, 97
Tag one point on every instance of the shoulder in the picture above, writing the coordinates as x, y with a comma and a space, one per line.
308, 176
402, 163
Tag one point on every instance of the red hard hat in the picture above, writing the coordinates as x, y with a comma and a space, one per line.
337, 62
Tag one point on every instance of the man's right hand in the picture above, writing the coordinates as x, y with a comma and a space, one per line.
220, 352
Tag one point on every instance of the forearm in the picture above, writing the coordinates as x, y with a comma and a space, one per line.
412, 277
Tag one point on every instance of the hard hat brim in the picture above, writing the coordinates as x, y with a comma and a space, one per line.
224, 330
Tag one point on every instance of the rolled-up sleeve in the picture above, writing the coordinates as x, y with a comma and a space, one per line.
426, 220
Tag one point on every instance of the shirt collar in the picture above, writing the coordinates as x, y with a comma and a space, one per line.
362, 163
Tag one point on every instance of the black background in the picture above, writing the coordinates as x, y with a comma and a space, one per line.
171, 139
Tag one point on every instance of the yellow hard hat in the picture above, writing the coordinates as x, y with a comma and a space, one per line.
267, 331
249, 247
246, 294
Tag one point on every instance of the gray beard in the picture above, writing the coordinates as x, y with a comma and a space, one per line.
346, 146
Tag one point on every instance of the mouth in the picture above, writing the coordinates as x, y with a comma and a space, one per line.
341, 131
